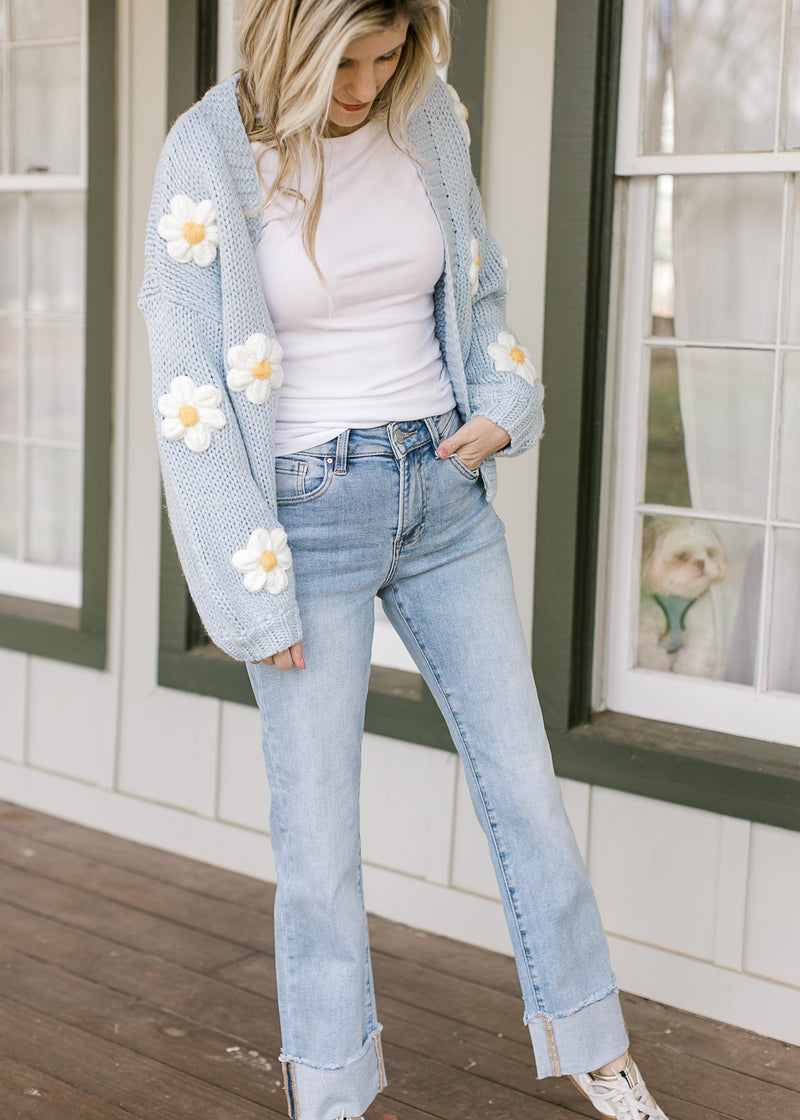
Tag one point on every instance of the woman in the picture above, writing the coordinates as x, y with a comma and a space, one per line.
333, 378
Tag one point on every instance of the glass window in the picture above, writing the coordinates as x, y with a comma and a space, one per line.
711, 75
703, 567
42, 283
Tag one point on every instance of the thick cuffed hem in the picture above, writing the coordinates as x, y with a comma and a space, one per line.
580, 1041
314, 1093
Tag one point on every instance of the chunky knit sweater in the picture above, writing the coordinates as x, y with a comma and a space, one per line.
216, 359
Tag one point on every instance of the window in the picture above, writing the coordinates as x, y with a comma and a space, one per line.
724, 772
42, 211
57, 107
704, 557
399, 703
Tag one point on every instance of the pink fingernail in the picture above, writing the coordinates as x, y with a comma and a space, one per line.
442, 452
302, 663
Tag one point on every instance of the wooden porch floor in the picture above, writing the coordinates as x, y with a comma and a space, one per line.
135, 983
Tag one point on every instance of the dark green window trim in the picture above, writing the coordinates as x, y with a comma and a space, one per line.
76, 634
745, 778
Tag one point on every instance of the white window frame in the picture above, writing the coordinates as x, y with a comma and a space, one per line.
619, 685
19, 577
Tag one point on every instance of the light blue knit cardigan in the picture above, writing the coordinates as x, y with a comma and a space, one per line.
202, 298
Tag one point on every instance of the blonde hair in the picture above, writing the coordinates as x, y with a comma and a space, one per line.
291, 51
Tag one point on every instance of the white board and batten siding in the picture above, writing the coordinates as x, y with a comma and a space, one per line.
699, 908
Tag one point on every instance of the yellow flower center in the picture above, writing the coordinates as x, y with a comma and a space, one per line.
268, 561
194, 232
261, 370
517, 354
188, 415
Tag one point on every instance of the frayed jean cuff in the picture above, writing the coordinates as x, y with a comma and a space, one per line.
315, 1093
579, 1041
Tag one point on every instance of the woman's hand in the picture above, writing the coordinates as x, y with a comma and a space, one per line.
286, 659
474, 441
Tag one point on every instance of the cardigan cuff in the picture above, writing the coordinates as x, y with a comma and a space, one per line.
523, 419
273, 636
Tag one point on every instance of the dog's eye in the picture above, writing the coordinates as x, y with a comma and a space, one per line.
683, 556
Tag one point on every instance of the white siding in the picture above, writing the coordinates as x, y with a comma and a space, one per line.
243, 796
13, 690
71, 720
702, 910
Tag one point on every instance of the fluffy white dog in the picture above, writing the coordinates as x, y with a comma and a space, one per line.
678, 630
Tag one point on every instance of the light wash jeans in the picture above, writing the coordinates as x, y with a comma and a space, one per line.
374, 512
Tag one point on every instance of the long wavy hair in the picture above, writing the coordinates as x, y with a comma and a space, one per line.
291, 50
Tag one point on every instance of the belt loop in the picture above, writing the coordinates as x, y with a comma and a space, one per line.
341, 452
433, 428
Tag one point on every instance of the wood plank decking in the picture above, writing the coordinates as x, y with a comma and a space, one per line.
135, 983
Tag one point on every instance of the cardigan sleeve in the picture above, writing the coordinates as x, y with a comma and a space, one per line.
501, 380
232, 549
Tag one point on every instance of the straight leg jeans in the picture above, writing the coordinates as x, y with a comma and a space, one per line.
374, 512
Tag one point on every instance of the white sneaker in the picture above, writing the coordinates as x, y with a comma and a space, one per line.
622, 1095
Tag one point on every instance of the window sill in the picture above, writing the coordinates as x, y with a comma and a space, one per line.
726, 774
399, 704
49, 630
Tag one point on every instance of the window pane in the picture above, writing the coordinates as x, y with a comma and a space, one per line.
694, 588
8, 499
54, 506
793, 83
784, 647
9, 375
45, 19
666, 477
709, 429
712, 75
726, 232
57, 240
663, 287
789, 455
793, 314
10, 295
55, 380
46, 109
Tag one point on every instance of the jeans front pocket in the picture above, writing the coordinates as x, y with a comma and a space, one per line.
302, 477
462, 468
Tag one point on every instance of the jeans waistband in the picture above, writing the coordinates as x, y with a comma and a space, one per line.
393, 440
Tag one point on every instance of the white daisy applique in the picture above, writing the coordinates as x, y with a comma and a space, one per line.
474, 266
461, 112
190, 413
265, 561
509, 357
190, 230
255, 368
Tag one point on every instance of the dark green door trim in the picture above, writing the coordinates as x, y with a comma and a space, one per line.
467, 70
79, 634
739, 777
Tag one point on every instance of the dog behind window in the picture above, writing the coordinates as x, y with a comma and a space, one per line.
678, 630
